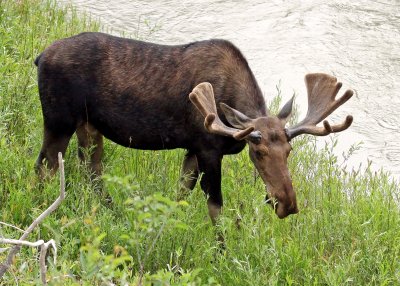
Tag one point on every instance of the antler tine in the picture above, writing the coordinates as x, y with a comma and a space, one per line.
322, 90
202, 97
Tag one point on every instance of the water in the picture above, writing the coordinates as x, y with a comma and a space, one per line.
357, 41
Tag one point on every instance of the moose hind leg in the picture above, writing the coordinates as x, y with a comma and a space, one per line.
52, 144
90, 144
189, 174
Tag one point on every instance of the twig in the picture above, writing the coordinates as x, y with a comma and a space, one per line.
43, 251
42, 258
4, 249
15, 249
22, 242
13, 226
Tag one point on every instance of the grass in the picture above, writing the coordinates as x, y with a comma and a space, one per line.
347, 233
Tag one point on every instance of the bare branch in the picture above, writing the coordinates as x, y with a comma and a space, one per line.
15, 249
42, 258
13, 226
4, 249
21, 242
43, 252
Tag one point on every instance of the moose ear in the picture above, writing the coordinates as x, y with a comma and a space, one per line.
286, 110
235, 117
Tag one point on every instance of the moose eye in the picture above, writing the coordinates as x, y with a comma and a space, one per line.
261, 152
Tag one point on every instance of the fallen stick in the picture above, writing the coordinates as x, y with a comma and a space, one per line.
44, 246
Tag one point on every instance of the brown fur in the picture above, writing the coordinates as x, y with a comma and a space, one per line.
136, 94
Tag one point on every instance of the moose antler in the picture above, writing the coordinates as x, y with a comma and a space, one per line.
322, 90
202, 97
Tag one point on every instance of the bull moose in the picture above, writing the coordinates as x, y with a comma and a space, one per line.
201, 96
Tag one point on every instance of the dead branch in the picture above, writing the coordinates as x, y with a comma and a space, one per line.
13, 226
44, 246
21, 242
42, 258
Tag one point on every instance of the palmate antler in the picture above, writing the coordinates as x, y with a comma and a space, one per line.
202, 97
322, 90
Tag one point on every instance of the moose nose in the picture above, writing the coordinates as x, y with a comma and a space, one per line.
283, 211
293, 210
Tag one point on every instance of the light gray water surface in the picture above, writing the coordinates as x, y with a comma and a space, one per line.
357, 41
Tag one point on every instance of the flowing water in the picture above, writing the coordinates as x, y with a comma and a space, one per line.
357, 41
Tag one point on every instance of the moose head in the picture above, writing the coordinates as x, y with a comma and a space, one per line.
269, 138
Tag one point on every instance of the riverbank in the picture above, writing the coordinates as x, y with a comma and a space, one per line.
347, 231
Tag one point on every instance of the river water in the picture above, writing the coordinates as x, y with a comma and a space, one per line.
357, 41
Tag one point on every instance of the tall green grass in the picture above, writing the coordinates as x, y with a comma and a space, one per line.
347, 232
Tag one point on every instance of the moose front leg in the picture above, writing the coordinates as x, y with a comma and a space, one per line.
210, 165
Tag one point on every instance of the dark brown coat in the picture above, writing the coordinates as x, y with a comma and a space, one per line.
137, 95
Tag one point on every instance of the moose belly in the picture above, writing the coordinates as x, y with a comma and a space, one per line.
141, 131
